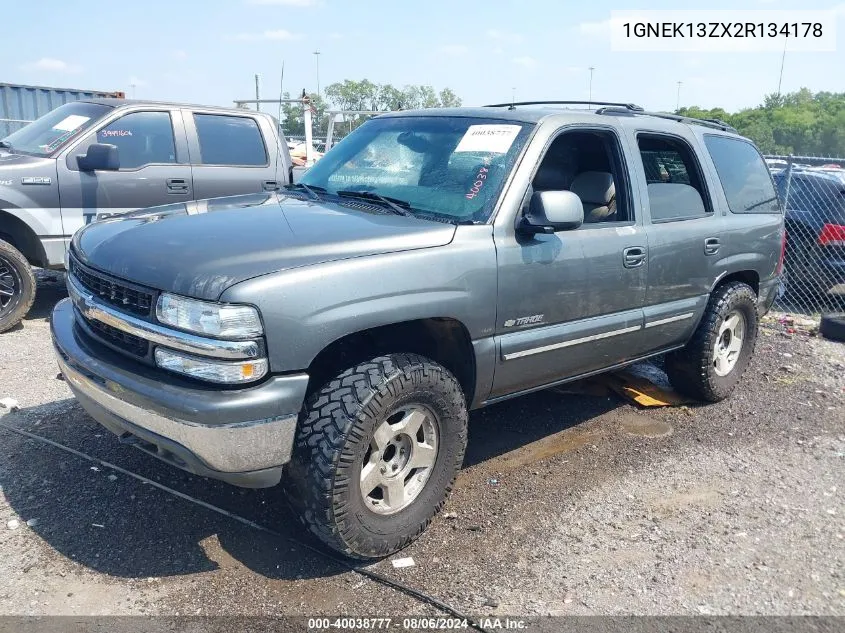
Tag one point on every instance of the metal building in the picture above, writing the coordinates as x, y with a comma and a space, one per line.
21, 104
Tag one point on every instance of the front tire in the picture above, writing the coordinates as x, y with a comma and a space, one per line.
709, 367
17, 286
376, 454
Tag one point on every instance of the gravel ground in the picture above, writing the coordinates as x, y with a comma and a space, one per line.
567, 504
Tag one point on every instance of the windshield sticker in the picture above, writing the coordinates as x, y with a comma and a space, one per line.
496, 139
49, 147
480, 177
69, 124
115, 132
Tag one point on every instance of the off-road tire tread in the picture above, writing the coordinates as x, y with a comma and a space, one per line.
832, 326
29, 287
689, 369
329, 417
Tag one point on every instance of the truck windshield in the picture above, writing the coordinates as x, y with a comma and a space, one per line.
453, 167
47, 134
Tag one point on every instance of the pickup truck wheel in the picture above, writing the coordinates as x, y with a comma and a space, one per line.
17, 286
713, 361
376, 454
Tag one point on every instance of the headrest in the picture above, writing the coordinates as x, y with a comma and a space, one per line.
594, 187
550, 177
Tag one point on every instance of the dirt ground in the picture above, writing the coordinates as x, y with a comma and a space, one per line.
567, 504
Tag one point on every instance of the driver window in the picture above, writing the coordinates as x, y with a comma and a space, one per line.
142, 138
588, 163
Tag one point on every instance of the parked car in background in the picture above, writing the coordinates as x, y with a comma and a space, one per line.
776, 164
96, 158
335, 335
815, 228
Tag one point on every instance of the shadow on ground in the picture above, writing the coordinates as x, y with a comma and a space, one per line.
49, 291
115, 524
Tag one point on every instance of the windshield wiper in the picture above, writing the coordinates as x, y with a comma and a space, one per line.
399, 207
311, 190
6, 144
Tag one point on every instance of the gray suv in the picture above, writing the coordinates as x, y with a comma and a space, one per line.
334, 335
91, 159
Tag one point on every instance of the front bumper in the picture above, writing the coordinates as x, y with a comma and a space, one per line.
242, 436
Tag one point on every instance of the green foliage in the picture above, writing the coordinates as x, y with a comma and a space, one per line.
365, 95
800, 123
292, 119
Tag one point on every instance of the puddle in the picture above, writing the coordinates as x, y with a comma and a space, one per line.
644, 426
561, 442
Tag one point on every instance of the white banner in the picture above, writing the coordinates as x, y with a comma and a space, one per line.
720, 31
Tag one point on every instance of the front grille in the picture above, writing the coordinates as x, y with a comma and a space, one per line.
120, 294
126, 342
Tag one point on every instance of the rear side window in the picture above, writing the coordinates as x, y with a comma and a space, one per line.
142, 138
744, 176
675, 185
230, 140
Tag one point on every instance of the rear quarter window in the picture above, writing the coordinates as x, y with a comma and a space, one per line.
743, 174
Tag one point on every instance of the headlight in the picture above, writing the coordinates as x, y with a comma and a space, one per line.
211, 370
203, 317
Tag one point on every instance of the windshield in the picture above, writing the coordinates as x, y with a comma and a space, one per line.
452, 167
54, 129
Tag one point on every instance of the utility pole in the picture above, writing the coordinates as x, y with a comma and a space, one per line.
317, 64
133, 90
678, 103
590, 99
257, 92
513, 94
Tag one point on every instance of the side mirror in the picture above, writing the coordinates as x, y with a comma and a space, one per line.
100, 156
552, 211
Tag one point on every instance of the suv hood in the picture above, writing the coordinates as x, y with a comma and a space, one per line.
201, 248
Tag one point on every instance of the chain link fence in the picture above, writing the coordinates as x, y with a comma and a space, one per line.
812, 189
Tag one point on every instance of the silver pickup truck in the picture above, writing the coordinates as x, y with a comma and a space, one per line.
333, 336
91, 159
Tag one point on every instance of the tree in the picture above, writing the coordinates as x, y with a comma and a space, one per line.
800, 123
449, 99
353, 95
293, 121
366, 95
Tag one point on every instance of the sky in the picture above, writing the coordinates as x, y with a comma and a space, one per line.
208, 52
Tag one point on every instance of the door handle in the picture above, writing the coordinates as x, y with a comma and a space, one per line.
633, 256
711, 245
177, 185
270, 185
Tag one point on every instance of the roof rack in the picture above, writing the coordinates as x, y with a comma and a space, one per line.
511, 106
612, 108
711, 123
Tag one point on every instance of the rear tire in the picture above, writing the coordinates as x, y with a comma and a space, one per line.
832, 326
376, 454
17, 286
709, 367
